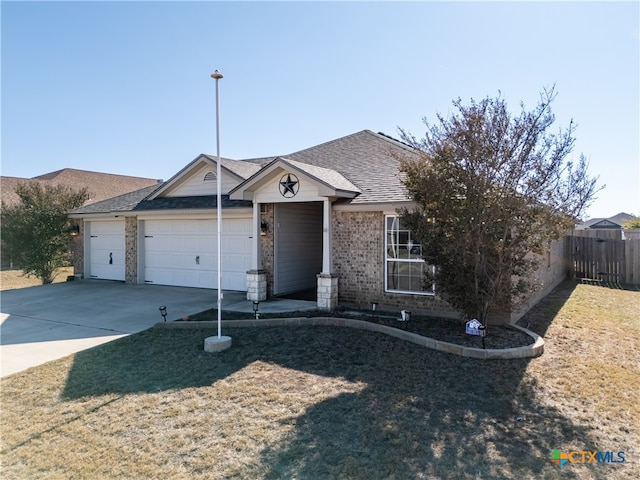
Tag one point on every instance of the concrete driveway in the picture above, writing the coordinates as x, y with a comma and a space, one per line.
43, 323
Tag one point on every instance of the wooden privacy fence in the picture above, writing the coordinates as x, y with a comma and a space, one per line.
607, 260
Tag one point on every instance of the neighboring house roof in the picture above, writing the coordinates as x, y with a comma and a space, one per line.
614, 222
101, 186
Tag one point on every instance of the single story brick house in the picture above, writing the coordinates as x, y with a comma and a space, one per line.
324, 218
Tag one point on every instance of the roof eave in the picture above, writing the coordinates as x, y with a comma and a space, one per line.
241, 191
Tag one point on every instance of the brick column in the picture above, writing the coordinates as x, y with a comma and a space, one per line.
256, 285
77, 251
131, 250
327, 291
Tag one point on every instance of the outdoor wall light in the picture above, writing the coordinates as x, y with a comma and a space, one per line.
163, 312
256, 305
74, 230
264, 228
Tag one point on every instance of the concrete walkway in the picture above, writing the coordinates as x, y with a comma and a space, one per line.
47, 322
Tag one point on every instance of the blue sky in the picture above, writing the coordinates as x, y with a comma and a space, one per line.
124, 87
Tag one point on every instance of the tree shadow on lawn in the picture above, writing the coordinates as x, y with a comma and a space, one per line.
541, 315
423, 413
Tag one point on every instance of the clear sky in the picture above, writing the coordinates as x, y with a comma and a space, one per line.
125, 87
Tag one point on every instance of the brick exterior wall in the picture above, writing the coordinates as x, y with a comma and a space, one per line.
358, 260
266, 244
131, 250
77, 250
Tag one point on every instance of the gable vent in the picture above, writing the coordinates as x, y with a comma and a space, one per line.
210, 177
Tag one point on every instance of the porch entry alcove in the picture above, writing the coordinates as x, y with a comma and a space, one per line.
297, 247
301, 196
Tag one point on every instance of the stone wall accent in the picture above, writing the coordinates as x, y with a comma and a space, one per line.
327, 291
256, 285
131, 250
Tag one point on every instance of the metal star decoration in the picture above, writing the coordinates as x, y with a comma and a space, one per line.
289, 185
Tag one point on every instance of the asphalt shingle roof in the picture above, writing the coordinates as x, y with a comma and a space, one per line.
366, 159
619, 219
240, 167
326, 175
364, 162
204, 201
121, 203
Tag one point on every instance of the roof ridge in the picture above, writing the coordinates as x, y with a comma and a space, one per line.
56, 173
393, 139
329, 142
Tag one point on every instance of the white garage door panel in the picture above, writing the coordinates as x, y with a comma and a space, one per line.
106, 250
184, 253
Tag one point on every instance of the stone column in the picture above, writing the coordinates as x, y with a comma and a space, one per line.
327, 291
256, 285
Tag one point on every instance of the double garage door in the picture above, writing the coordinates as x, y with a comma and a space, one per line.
184, 252
175, 252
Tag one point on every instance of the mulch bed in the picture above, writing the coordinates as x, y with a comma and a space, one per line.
446, 330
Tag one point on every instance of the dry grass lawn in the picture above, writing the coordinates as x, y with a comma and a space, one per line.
331, 403
11, 279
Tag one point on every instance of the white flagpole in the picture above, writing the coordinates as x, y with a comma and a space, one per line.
217, 76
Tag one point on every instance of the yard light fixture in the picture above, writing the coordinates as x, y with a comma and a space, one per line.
405, 317
374, 306
256, 304
163, 312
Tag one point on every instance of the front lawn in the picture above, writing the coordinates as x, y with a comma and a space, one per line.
330, 402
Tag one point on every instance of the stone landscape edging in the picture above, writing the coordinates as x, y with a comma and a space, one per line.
527, 351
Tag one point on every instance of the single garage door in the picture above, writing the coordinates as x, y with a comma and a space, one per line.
184, 253
106, 250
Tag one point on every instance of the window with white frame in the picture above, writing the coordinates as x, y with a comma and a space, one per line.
404, 265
